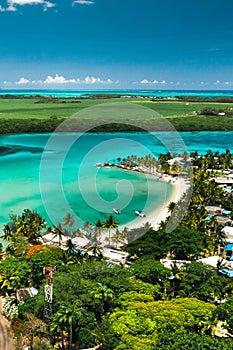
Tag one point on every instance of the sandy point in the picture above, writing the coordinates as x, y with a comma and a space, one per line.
155, 218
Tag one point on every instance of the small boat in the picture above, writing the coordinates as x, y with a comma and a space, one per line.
140, 213
117, 211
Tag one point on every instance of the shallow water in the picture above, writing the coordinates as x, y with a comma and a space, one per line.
63, 178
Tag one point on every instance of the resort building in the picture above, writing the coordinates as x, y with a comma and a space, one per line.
228, 230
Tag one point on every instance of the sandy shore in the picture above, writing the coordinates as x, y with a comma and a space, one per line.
157, 216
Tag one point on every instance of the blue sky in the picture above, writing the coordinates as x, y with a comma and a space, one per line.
115, 44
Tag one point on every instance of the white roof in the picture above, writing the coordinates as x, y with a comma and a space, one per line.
212, 260
50, 237
168, 263
228, 230
80, 241
175, 159
114, 254
223, 180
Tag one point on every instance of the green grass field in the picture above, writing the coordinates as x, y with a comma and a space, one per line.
44, 114
175, 108
30, 108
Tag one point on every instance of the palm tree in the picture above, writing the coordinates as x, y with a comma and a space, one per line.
110, 223
30, 224
94, 245
104, 295
8, 233
171, 206
68, 223
68, 220
71, 249
118, 237
65, 319
87, 227
99, 225
58, 232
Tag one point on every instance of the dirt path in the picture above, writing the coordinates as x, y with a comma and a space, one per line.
6, 342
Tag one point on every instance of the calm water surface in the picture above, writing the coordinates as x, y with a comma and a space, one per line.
67, 179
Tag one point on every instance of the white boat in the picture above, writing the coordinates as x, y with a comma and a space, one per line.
140, 213
117, 211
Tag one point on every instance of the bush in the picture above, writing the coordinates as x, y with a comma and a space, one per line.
10, 308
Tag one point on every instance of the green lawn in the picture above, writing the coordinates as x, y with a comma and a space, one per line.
37, 114
30, 108
175, 108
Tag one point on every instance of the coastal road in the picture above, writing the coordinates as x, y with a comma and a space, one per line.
6, 342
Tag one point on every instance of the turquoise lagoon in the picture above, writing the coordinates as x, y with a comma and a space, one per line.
140, 92
56, 174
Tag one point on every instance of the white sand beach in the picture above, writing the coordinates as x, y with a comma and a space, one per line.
157, 216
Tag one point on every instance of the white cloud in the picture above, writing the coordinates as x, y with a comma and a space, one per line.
145, 82
22, 81
93, 80
83, 2
60, 79
12, 4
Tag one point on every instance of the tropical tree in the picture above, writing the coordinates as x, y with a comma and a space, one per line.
137, 325
71, 248
202, 282
151, 271
76, 322
17, 246
110, 223
13, 275
58, 231
171, 206
98, 225
103, 295
224, 312
8, 231
94, 245
87, 227
68, 225
29, 223
118, 237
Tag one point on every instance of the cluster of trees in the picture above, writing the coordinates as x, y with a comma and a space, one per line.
216, 111
194, 123
120, 308
220, 99
155, 165
213, 160
144, 305
202, 123
18, 126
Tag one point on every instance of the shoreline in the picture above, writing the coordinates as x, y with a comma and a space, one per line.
156, 217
